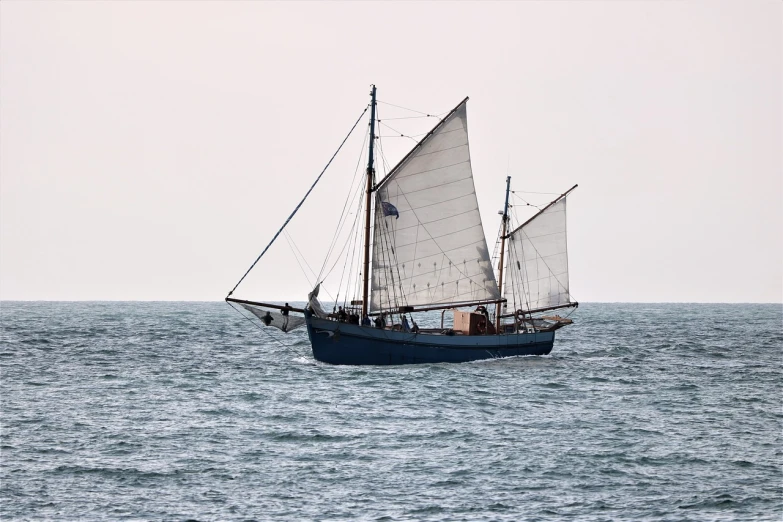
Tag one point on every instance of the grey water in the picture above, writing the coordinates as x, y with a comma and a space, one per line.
188, 411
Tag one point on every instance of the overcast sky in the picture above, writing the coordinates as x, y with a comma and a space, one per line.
150, 150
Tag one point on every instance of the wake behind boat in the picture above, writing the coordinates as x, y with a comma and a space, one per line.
424, 249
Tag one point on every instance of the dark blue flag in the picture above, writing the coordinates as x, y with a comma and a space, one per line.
389, 209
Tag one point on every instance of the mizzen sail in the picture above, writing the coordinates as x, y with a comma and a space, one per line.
537, 266
429, 245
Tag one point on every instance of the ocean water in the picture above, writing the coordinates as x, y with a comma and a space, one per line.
187, 411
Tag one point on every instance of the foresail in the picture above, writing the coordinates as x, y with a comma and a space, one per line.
274, 317
537, 263
429, 245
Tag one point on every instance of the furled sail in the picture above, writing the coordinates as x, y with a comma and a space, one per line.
537, 263
314, 304
429, 245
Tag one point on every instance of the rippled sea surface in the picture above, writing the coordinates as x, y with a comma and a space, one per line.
176, 411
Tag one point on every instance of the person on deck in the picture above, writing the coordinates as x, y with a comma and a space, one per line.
267, 319
285, 309
341, 315
380, 321
366, 320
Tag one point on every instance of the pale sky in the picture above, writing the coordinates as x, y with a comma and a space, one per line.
150, 150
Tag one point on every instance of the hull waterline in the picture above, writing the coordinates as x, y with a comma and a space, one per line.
342, 343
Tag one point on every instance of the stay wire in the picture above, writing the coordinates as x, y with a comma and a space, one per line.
527, 203
337, 260
354, 258
294, 249
424, 114
343, 216
401, 135
531, 192
300, 203
297, 254
348, 242
353, 242
403, 108
412, 117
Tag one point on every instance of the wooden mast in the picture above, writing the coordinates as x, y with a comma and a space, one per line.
367, 209
502, 251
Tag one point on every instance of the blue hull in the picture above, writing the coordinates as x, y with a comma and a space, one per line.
342, 343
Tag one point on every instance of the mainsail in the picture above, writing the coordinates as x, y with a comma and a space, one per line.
429, 245
537, 267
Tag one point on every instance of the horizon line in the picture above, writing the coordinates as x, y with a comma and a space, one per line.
301, 301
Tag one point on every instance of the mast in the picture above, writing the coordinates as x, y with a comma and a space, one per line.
367, 205
502, 251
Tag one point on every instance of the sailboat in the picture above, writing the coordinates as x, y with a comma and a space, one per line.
424, 250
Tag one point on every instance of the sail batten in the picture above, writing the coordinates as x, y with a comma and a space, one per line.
429, 245
436, 168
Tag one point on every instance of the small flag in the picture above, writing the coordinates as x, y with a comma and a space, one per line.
389, 209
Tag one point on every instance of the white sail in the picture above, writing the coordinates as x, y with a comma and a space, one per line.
429, 245
537, 262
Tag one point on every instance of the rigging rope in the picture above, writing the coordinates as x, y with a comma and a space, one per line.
339, 256
401, 135
298, 254
343, 217
354, 241
294, 250
300, 203
527, 203
495, 260
425, 115
411, 117
531, 192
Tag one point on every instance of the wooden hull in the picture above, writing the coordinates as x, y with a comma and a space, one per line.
342, 343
